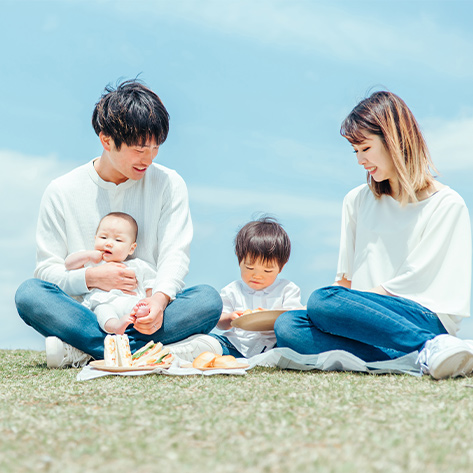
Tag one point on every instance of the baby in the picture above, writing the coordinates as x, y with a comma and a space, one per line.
262, 248
115, 241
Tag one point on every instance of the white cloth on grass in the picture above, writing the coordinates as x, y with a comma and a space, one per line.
284, 358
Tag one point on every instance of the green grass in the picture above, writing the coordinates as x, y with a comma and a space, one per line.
267, 421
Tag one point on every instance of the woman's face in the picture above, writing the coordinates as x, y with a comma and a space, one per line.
374, 157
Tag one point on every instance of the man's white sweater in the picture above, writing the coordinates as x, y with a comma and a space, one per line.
73, 205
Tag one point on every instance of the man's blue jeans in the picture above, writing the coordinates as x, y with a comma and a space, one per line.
371, 326
51, 312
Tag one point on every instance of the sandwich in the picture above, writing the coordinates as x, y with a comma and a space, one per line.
117, 350
152, 354
117, 353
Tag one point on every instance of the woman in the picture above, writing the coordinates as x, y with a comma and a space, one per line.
404, 270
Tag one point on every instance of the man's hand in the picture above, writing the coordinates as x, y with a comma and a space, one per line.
153, 320
225, 322
110, 276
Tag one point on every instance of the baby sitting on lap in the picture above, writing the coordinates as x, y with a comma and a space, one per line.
115, 240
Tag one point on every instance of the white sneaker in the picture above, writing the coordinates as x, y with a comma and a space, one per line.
61, 355
192, 347
446, 356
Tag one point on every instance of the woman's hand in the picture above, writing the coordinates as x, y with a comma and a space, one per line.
225, 322
150, 321
110, 276
343, 282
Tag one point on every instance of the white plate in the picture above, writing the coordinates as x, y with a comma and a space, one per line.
258, 321
100, 365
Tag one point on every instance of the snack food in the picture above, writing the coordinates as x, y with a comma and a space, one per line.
152, 354
207, 360
226, 361
118, 354
117, 350
204, 360
249, 311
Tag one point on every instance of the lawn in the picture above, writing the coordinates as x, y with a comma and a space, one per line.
267, 421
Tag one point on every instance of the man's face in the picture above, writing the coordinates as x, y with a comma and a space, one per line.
129, 162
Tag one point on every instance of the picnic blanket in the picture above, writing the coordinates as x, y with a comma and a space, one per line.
284, 358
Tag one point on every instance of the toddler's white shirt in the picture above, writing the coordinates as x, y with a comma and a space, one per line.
238, 296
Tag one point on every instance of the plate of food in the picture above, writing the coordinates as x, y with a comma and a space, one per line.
118, 357
258, 320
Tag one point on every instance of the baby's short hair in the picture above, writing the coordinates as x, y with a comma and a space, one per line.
263, 239
123, 216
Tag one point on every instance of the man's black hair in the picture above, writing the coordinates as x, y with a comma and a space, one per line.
132, 114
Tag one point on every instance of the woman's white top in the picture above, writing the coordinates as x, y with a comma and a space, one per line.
238, 296
421, 251
71, 209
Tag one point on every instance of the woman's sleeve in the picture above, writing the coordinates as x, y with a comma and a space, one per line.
348, 236
437, 272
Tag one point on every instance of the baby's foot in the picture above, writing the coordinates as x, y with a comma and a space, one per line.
141, 309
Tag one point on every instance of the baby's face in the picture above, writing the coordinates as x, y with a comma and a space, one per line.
257, 275
115, 239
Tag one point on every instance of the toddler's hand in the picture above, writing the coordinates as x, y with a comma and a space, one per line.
225, 322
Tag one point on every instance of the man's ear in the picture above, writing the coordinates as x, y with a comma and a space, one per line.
106, 141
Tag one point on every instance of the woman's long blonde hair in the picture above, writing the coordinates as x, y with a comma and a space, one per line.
386, 115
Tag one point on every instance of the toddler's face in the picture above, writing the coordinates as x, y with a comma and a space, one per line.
115, 239
257, 275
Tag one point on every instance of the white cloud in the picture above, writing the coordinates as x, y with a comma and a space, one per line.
280, 203
450, 143
22, 183
339, 31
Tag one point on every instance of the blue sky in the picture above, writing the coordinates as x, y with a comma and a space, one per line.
256, 90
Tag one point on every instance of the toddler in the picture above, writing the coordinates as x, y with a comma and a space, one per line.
262, 248
115, 241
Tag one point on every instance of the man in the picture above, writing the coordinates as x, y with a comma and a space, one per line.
131, 122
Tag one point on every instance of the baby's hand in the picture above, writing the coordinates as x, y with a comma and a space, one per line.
96, 256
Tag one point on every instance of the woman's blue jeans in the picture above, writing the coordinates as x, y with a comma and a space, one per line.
51, 312
371, 326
